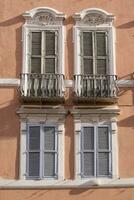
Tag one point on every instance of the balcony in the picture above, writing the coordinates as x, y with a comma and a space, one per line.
95, 88
42, 87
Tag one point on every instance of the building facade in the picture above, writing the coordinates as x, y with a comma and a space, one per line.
67, 99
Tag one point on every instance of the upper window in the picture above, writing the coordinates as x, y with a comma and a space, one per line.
94, 52
43, 54
94, 60
43, 38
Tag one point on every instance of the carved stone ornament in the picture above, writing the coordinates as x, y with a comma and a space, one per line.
93, 19
43, 19
44, 16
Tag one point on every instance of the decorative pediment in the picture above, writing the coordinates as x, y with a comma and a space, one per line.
93, 17
44, 16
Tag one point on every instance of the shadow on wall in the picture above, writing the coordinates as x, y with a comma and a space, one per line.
9, 137
123, 90
18, 52
126, 25
127, 122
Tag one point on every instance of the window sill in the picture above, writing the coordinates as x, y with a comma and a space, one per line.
94, 183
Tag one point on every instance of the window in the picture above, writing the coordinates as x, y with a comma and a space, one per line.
94, 59
96, 151
43, 54
41, 143
94, 52
42, 151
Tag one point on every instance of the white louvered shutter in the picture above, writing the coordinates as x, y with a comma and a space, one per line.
50, 51
88, 151
50, 151
101, 52
34, 151
87, 52
36, 52
103, 151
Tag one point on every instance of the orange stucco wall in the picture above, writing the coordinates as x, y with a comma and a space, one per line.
71, 194
11, 22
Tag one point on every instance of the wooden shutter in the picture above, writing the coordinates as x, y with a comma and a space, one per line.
88, 151
101, 52
88, 138
87, 52
49, 151
34, 151
50, 51
36, 53
103, 151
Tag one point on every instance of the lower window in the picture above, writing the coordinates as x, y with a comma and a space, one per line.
42, 155
96, 151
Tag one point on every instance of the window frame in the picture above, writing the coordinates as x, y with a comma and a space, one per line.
96, 150
41, 151
94, 19
49, 118
53, 21
94, 56
87, 118
111, 70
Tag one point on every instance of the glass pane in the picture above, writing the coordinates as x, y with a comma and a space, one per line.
36, 65
50, 65
88, 66
34, 164
101, 44
103, 138
103, 164
87, 44
49, 164
88, 138
34, 138
88, 164
36, 43
50, 43
49, 138
101, 66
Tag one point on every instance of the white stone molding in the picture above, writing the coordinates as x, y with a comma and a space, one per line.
15, 82
104, 116
43, 19
47, 117
93, 17
43, 16
125, 83
93, 183
9, 82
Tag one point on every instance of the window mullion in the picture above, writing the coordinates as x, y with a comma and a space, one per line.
43, 52
41, 151
82, 153
27, 154
56, 151
110, 150
107, 53
29, 52
95, 151
56, 52
81, 53
94, 51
